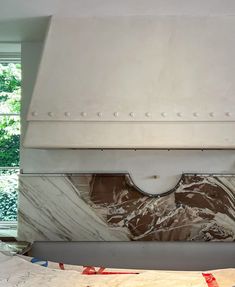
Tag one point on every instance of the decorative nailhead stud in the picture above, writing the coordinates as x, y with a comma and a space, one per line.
147, 114
228, 114
179, 115
99, 114
50, 114
116, 114
83, 114
34, 113
211, 114
195, 114
67, 114
163, 114
132, 114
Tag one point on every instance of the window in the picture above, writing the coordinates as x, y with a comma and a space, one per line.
10, 92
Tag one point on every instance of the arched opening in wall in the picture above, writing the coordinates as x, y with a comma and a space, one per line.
10, 97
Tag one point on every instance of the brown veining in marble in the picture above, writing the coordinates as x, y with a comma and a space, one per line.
200, 208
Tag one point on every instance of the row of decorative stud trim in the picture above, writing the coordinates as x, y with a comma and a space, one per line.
131, 114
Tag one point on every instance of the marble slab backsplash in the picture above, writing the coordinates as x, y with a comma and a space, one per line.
109, 207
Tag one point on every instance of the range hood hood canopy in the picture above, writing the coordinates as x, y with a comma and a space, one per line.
135, 82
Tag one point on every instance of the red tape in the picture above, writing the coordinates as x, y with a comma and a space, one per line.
90, 270
61, 266
210, 280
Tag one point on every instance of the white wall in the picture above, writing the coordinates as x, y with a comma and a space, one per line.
23, 8
24, 20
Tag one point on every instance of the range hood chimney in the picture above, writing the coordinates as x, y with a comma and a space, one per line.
135, 82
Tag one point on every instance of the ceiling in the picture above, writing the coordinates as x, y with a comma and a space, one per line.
24, 20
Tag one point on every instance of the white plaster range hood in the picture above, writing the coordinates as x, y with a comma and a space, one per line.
135, 82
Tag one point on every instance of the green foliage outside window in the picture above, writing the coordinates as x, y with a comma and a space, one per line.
10, 90
8, 195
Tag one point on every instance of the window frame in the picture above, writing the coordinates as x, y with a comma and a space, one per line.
7, 58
